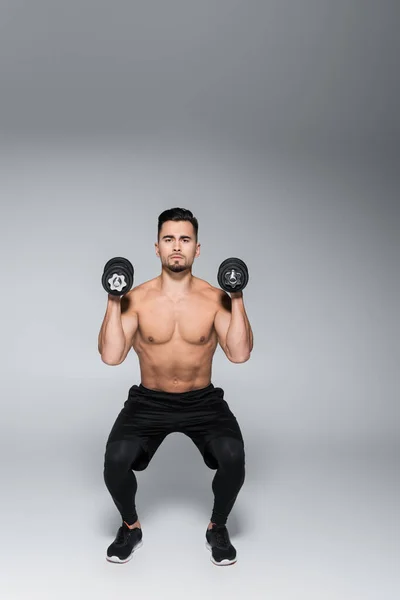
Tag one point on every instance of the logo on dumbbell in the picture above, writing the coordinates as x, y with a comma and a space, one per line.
233, 278
117, 282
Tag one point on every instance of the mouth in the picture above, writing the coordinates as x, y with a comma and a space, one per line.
176, 256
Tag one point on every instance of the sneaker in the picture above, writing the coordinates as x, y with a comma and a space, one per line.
124, 545
222, 551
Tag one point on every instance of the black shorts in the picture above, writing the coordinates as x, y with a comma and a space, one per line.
151, 415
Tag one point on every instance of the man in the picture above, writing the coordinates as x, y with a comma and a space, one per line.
174, 323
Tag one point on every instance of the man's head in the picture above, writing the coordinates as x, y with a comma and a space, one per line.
177, 237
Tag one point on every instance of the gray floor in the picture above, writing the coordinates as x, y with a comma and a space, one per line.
307, 524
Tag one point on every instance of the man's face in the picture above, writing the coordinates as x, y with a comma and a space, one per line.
177, 246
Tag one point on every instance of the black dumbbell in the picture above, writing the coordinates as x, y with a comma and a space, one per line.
233, 275
118, 276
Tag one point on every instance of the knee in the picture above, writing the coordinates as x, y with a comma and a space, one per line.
120, 455
229, 453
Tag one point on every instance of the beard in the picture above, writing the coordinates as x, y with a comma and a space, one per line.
176, 268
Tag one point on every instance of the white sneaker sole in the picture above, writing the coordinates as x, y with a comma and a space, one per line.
115, 559
222, 563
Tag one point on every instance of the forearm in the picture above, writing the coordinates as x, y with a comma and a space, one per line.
111, 340
239, 338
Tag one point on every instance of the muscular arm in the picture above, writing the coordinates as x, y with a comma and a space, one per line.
118, 328
233, 327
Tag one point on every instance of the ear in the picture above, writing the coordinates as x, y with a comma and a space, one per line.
157, 250
197, 250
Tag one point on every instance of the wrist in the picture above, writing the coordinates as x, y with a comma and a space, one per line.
235, 295
116, 299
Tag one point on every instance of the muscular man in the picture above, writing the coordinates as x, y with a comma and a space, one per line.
174, 323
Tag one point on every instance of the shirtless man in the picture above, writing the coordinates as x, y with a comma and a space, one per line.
174, 323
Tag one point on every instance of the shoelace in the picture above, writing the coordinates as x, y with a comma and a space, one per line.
221, 536
123, 534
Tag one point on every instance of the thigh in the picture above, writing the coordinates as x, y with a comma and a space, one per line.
216, 422
132, 425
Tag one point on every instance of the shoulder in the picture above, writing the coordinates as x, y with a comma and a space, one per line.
132, 300
219, 297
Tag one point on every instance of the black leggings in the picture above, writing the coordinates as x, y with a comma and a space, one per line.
121, 482
148, 416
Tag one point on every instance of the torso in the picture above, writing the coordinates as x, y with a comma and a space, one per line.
176, 339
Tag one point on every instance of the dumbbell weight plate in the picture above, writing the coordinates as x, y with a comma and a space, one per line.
237, 261
117, 277
119, 260
233, 275
117, 281
119, 267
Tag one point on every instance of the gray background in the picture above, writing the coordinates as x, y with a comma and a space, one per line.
277, 124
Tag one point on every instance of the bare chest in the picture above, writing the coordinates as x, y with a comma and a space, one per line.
191, 320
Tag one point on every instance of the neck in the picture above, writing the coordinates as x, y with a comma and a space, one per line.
176, 284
